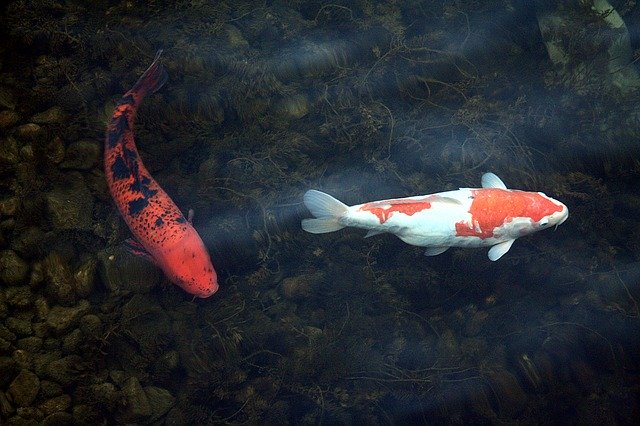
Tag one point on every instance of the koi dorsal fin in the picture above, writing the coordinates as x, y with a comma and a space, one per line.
489, 180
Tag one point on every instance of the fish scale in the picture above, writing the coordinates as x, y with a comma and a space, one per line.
162, 233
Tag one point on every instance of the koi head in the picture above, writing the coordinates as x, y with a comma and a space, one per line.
547, 212
189, 266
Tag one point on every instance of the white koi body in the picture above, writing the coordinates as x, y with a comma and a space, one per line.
468, 217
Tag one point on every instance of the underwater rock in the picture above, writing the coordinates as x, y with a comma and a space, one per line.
54, 115
30, 132
28, 242
294, 107
30, 413
8, 119
24, 388
6, 409
82, 155
13, 270
71, 206
59, 279
86, 414
30, 344
84, 278
19, 326
61, 318
7, 100
91, 326
477, 322
122, 272
19, 297
512, 398
235, 39
137, 406
9, 154
56, 419
72, 341
160, 401
55, 150
300, 286
64, 370
165, 365
9, 206
55, 404
49, 389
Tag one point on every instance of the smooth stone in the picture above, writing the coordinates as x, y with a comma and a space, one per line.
28, 242
6, 409
30, 413
123, 272
56, 150
137, 407
7, 100
72, 341
9, 206
13, 270
55, 404
19, 297
24, 388
91, 326
84, 278
61, 318
57, 419
71, 206
8, 119
19, 326
49, 389
31, 344
160, 401
65, 370
82, 155
9, 153
54, 115
29, 132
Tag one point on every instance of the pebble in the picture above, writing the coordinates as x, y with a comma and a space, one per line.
82, 155
84, 278
91, 326
13, 270
7, 100
30, 344
72, 341
55, 150
122, 272
54, 115
70, 206
9, 153
49, 389
9, 206
137, 406
61, 318
6, 409
64, 370
57, 419
19, 297
29, 132
55, 404
19, 326
28, 242
160, 401
8, 119
24, 388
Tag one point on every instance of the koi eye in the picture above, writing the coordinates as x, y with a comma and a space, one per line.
544, 222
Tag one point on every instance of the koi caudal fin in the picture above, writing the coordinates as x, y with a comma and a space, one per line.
327, 211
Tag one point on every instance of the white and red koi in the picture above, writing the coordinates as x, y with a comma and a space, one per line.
162, 234
468, 217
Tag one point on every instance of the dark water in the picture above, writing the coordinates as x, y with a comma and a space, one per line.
363, 100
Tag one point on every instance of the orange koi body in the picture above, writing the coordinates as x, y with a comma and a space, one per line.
162, 234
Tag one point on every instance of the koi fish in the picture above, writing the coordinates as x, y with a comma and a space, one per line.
491, 216
161, 232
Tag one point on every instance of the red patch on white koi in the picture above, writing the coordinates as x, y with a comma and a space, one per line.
493, 207
385, 209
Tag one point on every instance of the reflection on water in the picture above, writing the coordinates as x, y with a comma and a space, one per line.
365, 101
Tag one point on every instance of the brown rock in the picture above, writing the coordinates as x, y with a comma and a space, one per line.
24, 388
8, 119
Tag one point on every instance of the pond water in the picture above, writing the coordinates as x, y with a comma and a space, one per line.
366, 101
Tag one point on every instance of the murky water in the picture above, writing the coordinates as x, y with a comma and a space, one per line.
362, 100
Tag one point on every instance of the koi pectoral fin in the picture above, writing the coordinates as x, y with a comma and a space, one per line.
138, 249
497, 251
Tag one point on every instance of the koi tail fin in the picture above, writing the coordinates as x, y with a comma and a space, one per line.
153, 78
327, 211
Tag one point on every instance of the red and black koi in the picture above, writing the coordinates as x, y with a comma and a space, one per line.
161, 233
